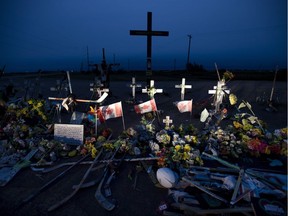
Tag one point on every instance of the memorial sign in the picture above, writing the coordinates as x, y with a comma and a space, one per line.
69, 133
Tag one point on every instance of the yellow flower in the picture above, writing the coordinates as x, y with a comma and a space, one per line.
194, 139
237, 124
93, 152
108, 146
177, 147
187, 148
186, 156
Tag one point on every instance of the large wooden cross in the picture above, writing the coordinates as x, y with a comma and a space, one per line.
183, 87
149, 33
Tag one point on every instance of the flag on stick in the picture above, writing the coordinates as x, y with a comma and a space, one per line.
184, 106
111, 111
92, 114
145, 107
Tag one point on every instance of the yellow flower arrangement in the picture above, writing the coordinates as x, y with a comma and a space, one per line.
108, 146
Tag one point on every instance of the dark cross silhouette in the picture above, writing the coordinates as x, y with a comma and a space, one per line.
149, 33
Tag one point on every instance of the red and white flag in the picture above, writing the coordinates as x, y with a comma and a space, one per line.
184, 106
111, 111
145, 107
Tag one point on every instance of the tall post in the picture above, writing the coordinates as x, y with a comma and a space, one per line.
149, 33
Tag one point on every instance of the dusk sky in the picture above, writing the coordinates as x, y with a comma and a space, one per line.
55, 34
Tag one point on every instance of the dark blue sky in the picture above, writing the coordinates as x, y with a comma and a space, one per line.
54, 34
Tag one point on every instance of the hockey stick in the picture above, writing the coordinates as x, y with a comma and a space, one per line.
55, 206
98, 194
51, 181
50, 169
239, 180
204, 190
222, 161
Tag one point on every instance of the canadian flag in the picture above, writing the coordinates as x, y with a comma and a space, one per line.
184, 106
111, 111
145, 107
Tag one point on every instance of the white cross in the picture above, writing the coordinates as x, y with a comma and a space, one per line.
134, 86
219, 91
167, 122
152, 90
183, 87
97, 87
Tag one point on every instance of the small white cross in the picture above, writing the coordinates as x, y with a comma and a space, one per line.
152, 90
219, 91
167, 122
134, 86
183, 87
97, 87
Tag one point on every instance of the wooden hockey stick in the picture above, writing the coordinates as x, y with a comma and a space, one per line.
98, 194
55, 206
50, 169
204, 190
33, 195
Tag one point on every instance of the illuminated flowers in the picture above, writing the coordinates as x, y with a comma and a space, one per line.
89, 148
163, 138
185, 154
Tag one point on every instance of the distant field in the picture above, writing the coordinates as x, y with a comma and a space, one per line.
169, 75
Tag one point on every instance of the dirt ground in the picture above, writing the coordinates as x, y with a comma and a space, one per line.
146, 199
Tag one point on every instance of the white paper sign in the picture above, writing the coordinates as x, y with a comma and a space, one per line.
69, 133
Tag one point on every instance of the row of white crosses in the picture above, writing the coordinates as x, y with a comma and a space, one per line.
151, 90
